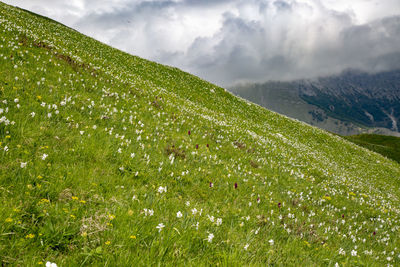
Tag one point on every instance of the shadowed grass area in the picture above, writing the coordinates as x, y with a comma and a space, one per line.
389, 146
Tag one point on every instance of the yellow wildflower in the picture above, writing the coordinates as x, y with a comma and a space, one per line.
44, 200
8, 220
39, 97
74, 198
107, 243
132, 237
30, 236
327, 197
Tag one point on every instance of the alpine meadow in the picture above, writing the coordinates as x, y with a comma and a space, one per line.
107, 159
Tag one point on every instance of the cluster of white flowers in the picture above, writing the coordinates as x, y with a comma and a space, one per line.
148, 212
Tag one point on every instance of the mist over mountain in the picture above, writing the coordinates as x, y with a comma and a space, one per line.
350, 103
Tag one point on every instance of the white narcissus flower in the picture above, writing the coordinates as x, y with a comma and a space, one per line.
160, 226
51, 264
210, 238
162, 189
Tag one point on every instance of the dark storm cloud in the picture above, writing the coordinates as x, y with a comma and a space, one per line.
226, 41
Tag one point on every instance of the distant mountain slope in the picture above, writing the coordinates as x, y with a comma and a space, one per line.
107, 159
345, 104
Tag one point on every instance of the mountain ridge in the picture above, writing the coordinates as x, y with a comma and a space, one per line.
365, 102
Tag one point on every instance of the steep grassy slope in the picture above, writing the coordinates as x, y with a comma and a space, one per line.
388, 146
109, 159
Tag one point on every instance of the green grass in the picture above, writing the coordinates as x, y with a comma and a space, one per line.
115, 129
389, 146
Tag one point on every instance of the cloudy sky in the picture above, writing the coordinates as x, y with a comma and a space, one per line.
229, 41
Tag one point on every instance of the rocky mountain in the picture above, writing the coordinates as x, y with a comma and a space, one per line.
350, 103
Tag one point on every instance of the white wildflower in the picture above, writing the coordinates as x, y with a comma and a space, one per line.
148, 212
160, 226
23, 164
51, 264
44, 156
162, 189
179, 214
271, 242
210, 238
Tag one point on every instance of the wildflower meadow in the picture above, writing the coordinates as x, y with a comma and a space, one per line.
107, 159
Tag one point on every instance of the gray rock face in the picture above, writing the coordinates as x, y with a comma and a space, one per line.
350, 103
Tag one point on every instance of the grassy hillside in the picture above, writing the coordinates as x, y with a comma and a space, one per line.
109, 159
388, 146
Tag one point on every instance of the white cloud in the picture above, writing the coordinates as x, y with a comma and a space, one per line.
226, 41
